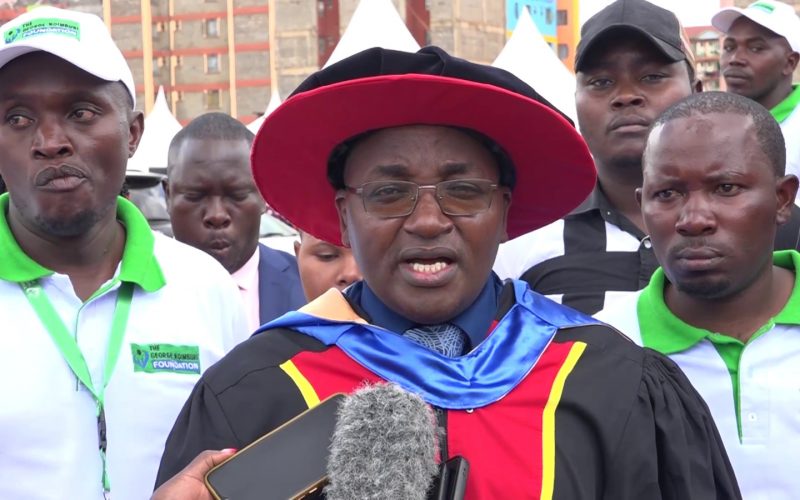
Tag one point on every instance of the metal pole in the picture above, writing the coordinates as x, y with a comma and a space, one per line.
147, 55
232, 59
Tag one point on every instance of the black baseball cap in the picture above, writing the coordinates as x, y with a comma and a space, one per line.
654, 23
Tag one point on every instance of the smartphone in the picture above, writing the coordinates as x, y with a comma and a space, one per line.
289, 462
452, 481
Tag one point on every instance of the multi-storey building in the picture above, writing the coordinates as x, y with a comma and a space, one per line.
209, 55
543, 13
230, 55
556, 20
706, 43
568, 30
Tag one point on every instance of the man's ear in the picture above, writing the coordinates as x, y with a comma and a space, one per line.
786, 190
165, 187
341, 209
506, 208
697, 86
791, 63
638, 194
135, 131
264, 206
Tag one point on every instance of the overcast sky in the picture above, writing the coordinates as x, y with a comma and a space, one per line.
690, 12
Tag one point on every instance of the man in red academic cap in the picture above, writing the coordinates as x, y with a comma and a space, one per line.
412, 160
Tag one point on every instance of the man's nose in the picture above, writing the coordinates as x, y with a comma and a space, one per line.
628, 96
696, 217
349, 272
51, 140
736, 57
428, 220
216, 213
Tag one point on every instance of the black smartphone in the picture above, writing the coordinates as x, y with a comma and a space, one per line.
452, 481
289, 462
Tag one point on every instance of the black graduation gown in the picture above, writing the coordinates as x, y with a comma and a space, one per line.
625, 422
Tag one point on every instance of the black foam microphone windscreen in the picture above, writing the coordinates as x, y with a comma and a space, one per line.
384, 446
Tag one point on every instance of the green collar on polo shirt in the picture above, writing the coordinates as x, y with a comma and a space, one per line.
666, 333
785, 108
663, 331
139, 264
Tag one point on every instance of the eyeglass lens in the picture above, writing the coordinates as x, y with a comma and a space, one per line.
455, 197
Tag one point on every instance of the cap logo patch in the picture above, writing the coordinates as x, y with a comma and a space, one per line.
763, 6
39, 27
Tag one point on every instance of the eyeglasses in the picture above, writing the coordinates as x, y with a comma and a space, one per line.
390, 199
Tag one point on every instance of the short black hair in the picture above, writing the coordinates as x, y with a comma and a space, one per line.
338, 158
768, 132
209, 126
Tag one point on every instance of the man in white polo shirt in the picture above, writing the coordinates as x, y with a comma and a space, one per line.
759, 55
723, 305
106, 328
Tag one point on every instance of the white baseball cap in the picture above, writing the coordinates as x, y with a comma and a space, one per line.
778, 17
79, 38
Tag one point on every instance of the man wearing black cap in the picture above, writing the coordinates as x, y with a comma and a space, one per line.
632, 63
418, 161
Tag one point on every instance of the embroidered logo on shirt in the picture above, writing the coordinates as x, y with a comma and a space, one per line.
38, 27
161, 358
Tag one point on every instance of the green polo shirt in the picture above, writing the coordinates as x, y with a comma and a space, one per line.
664, 332
785, 108
139, 264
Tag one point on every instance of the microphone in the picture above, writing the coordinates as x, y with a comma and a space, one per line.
384, 446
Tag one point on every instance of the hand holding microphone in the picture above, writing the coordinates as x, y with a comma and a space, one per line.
379, 442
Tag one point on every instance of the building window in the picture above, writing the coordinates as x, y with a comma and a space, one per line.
212, 28
212, 98
212, 63
548, 16
563, 51
700, 49
562, 17
178, 60
158, 63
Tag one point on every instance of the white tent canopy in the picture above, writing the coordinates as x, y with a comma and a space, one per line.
528, 56
375, 23
274, 102
160, 126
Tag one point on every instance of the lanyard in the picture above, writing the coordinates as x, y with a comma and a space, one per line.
71, 352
